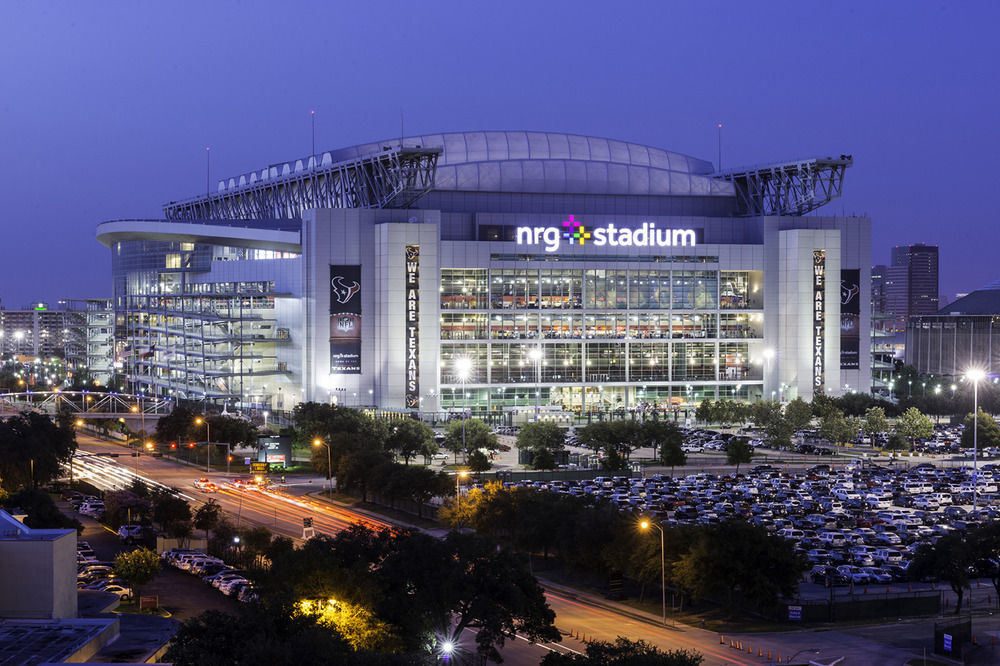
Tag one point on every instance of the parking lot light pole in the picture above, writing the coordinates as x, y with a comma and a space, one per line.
646, 524
975, 375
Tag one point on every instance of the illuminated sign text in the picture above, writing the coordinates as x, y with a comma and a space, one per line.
819, 320
575, 233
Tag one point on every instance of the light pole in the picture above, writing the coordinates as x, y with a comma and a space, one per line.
458, 494
646, 524
975, 375
536, 356
208, 442
329, 462
463, 367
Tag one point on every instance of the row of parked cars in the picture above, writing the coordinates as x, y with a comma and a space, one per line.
92, 574
87, 505
230, 581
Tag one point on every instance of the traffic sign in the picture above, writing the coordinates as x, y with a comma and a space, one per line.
260, 467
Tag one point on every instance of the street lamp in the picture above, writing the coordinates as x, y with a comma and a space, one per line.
458, 494
463, 368
975, 375
208, 441
329, 462
536, 355
646, 524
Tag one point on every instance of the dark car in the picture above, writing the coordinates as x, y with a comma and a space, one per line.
828, 576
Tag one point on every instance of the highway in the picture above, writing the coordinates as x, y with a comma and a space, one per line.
282, 509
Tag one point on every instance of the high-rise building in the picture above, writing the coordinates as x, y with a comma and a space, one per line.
907, 286
79, 331
918, 267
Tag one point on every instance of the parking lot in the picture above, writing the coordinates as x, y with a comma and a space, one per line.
856, 522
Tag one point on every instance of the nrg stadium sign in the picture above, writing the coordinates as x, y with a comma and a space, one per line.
574, 233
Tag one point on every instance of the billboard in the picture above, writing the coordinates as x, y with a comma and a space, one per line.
412, 326
850, 318
274, 449
345, 320
819, 322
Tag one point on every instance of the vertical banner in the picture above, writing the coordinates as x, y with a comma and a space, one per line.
850, 318
345, 320
819, 321
412, 326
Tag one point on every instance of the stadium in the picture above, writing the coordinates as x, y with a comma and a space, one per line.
502, 272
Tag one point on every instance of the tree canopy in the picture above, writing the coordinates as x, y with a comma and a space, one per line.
410, 438
407, 586
988, 431
624, 652
33, 449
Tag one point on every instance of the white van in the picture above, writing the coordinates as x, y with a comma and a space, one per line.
888, 555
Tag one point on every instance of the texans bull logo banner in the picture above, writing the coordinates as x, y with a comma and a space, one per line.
345, 320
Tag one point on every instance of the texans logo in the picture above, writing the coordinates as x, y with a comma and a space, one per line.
342, 292
412, 252
848, 292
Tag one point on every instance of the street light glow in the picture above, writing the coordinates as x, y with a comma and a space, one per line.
975, 374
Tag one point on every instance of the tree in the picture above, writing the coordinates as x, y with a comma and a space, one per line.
410, 438
137, 568
541, 435
477, 436
176, 426
543, 459
613, 461
798, 413
738, 451
768, 415
479, 462
495, 594
207, 516
741, 560
624, 652
705, 412
170, 512
412, 585
950, 559
257, 636
672, 455
875, 424
655, 434
836, 428
121, 506
988, 435
596, 436
913, 425
40, 510
33, 449
984, 541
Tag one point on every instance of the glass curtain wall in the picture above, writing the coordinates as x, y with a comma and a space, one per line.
635, 326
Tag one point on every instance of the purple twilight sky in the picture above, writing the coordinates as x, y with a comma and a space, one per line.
106, 108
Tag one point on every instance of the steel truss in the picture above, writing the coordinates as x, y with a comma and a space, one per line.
393, 178
789, 188
84, 404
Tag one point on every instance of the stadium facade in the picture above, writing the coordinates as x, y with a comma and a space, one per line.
959, 337
498, 271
